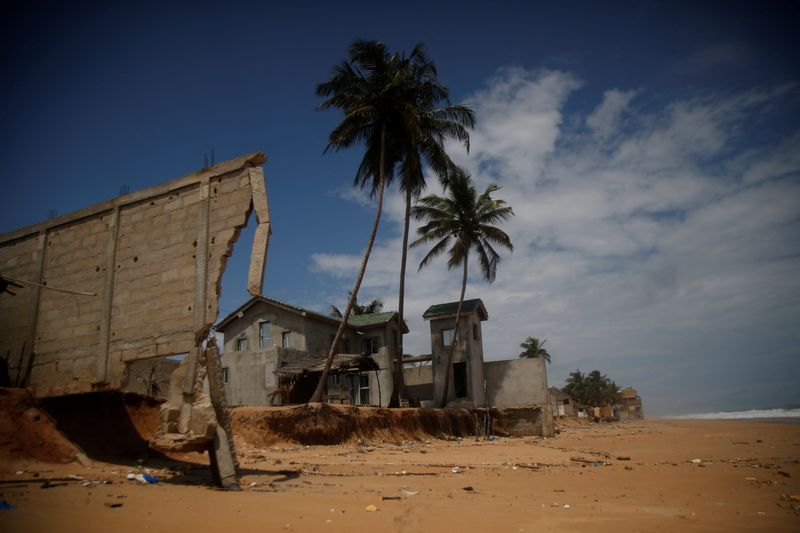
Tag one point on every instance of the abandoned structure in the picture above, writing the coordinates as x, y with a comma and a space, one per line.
563, 404
631, 406
473, 381
129, 279
274, 354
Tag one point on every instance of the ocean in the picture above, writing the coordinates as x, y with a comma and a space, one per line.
747, 414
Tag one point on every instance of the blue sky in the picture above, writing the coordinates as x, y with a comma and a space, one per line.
650, 150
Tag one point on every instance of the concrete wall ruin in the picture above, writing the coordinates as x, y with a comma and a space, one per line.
151, 263
517, 382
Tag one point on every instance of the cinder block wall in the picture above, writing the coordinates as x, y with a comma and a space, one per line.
153, 260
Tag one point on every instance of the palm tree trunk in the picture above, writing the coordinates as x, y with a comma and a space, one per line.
317, 396
449, 369
398, 373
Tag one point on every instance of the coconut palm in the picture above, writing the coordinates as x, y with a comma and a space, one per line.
533, 348
576, 385
375, 306
415, 137
369, 88
593, 389
458, 223
428, 122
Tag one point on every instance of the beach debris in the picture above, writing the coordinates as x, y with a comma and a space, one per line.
20, 472
409, 492
253, 484
696, 461
628, 467
567, 506
370, 508
455, 470
784, 474
6, 506
794, 497
469, 488
391, 498
113, 505
131, 476
623, 458
48, 485
75, 477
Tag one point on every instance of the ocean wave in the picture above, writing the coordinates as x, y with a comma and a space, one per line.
750, 413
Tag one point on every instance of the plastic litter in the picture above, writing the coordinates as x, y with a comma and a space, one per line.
5, 506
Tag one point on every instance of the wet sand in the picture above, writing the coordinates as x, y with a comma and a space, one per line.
746, 476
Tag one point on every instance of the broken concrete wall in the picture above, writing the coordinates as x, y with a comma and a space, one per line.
517, 382
151, 263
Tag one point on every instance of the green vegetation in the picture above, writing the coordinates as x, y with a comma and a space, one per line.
375, 306
533, 348
594, 389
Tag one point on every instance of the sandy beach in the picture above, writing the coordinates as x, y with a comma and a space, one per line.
654, 475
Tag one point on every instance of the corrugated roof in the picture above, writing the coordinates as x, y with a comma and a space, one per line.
342, 362
451, 308
372, 319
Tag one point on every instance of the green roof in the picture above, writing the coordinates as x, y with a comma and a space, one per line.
451, 308
370, 319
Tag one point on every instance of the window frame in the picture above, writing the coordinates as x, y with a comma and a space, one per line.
241, 344
444, 332
261, 338
287, 339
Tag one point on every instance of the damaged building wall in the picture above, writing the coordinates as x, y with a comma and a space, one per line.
517, 382
151, 262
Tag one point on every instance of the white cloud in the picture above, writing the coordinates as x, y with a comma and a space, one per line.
605, 119
654, 246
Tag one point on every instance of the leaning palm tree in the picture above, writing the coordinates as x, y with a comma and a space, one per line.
371, 90
415, 138
533, 348
458, 223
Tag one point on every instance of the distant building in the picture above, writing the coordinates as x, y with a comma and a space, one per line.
631, 406
563, 404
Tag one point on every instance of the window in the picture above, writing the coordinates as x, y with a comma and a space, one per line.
475, 331
372, 345
225, 374
363, 389
241, 345
447, 337
345, 345
286, 339
265, 335
460, 379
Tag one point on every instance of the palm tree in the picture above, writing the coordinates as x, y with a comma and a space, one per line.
533, 348
375, 306
422, 140
576, 386
371, 89
458, 223
594, 389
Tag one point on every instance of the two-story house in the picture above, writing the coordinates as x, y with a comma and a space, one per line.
274, 351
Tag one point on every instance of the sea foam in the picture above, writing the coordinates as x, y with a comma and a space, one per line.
750, 413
